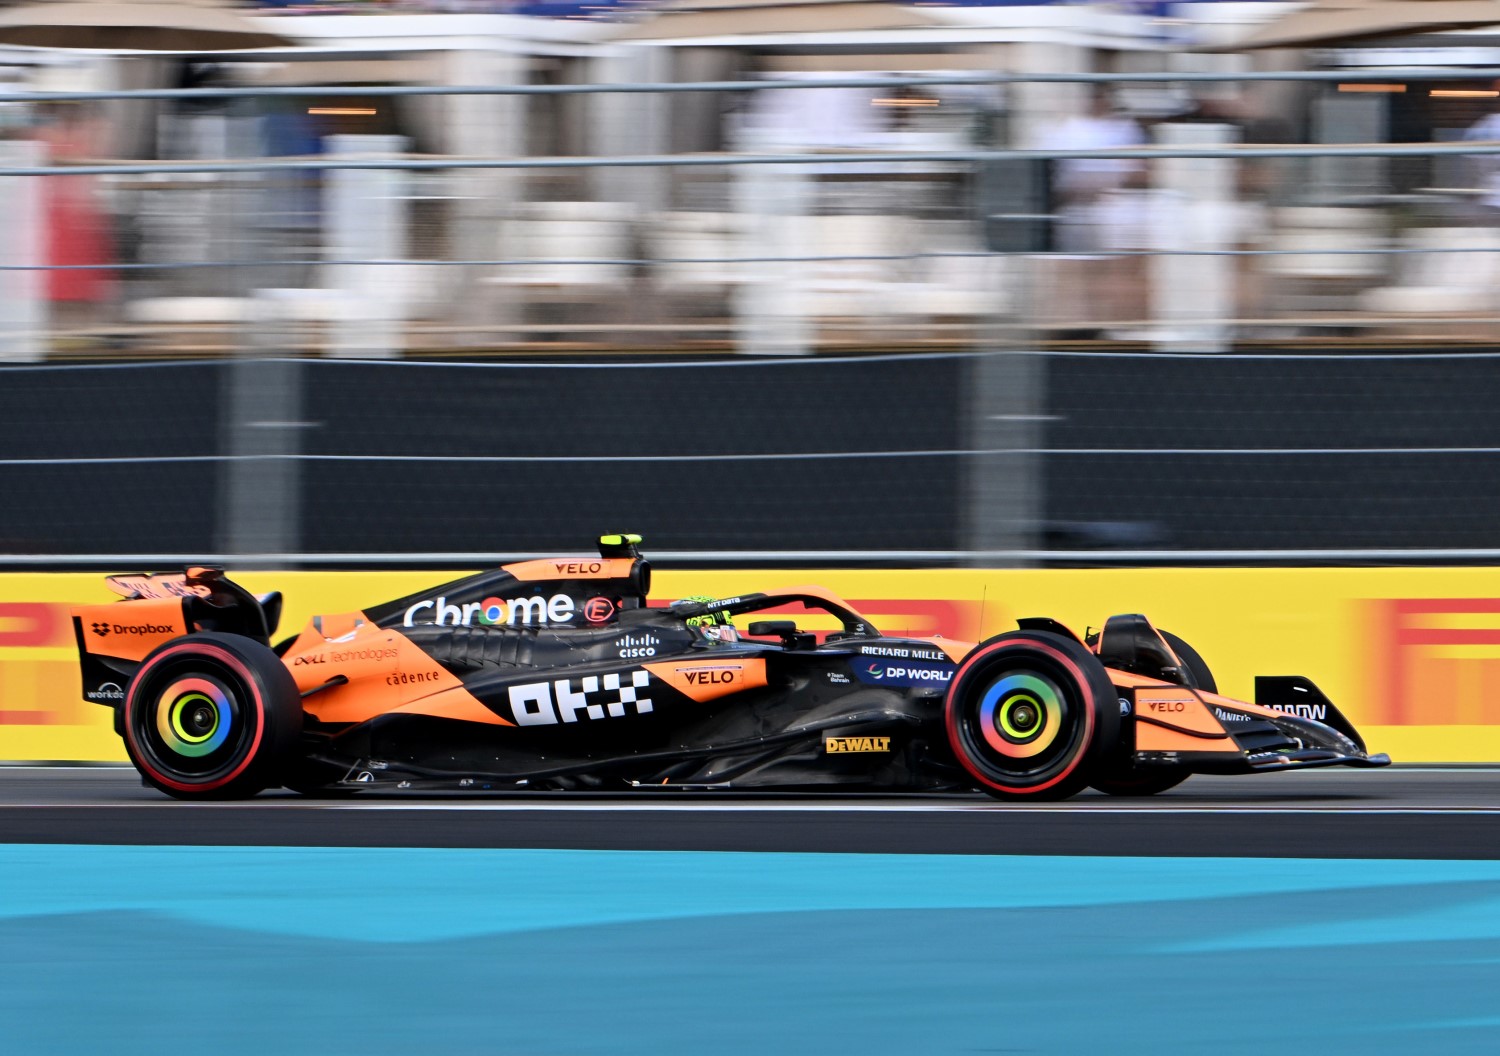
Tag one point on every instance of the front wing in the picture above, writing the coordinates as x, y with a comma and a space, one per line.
1291, 726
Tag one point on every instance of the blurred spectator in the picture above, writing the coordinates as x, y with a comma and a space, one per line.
1257, 187
1486, 167
1102, 208
78, 238
1084, 184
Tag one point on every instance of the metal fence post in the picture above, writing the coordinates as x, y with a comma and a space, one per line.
262, 433
1004, 405
23, 307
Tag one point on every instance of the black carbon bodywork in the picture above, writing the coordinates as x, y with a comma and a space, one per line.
777, 734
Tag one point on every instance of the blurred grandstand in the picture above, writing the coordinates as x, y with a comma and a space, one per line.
990, 188
554, 252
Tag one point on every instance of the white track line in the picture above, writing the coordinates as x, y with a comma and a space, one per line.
997, 808
1083, 809
116, 769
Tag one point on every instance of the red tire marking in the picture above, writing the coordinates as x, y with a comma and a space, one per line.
231, 661
951, 716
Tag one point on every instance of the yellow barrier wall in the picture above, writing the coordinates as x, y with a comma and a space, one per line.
1412, 656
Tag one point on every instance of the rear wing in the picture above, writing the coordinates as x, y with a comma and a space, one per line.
213, 601
156, 585
154, 608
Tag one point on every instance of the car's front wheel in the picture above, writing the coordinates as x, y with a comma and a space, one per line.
1136, 781
1030, 714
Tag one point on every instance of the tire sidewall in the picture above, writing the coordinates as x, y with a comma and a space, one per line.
1091, 695
265, 699
1139, 782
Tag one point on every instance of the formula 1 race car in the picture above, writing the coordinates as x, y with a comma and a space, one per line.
557, 674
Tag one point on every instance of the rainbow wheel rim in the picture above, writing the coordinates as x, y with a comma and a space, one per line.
189, 723
194, 717
1021, 715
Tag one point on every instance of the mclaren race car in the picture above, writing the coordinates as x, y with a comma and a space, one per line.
558, 674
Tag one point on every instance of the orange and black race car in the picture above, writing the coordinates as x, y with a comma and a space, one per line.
557, 674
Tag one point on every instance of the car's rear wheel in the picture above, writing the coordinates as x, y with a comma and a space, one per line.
212, 716
1030, 715
1126, 779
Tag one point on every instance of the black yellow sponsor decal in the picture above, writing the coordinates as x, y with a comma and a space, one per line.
842, 745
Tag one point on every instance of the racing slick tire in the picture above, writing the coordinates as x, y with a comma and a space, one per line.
1127, 780
1030, 715
212, 716
1132, 781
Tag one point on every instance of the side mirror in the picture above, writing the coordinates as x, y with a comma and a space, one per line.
779, 628
786, 630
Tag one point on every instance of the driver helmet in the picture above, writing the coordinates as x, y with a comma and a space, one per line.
715, 626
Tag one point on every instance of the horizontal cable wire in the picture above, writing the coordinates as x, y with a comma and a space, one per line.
1379, 74
639, 262
407, 163
736, 360
770, 456
739, 361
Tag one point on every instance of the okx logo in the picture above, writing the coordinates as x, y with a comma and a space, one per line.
569, 699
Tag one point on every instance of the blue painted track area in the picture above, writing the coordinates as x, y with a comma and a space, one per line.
232, 950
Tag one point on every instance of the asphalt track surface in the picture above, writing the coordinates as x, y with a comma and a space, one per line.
1396, 813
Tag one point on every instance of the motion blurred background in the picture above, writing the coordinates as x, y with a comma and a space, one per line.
1019, 283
